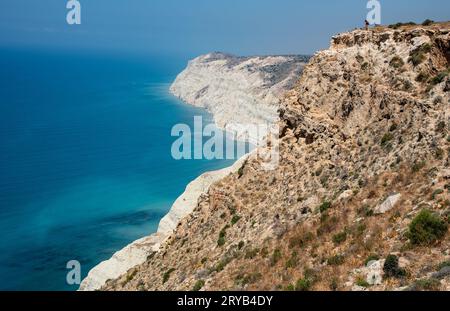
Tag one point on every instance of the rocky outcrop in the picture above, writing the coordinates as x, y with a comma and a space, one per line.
368, 118
238, 91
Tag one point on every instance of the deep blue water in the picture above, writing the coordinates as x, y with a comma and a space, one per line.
85, 163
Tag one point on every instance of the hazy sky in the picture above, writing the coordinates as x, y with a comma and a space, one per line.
198, 26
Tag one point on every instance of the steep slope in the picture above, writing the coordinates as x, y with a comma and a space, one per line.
360, 199
249, 90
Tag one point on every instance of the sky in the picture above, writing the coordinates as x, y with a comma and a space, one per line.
191, 27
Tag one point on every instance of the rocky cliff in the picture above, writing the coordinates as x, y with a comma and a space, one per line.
238, 91
360, 199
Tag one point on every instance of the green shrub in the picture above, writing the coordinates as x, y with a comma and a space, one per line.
290, 288
418, 55
221, 241
427, 22
422, 77
336, 260
222, 264
391, 267
309, 278
427, 285
251, 253
324, 206
444, 264
366, 211
222, 234
426, 228
360, 229
235, 219
276, 256
334, 284
198, 285
418, 166
398, 25
416, 58
129, 277
360, 281
396, 62
436, 193
241, 244
340, 237
241, 171
293, 261
303, 285
365, 66
439, 77
250, 278
386, 139
310, 274
264, 252
327, 224
440, 127
301, 240
167, 274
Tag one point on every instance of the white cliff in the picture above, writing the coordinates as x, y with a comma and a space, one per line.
236, 90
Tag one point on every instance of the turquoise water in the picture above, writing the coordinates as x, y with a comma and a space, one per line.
85, 163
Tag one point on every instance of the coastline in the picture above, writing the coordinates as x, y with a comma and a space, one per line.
138, 251
194, 86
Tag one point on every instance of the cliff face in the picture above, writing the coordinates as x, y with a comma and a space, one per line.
360, 200
238, 90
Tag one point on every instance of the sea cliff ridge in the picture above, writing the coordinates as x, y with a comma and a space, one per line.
235, 90
360, 199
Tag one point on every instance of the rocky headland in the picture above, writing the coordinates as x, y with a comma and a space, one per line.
236, 91
360, 199
239, 91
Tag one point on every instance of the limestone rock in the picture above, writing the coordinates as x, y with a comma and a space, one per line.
388, 204
238, 91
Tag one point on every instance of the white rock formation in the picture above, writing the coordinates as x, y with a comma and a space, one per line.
388, 204
372, 272
137, 252
375, 272
240, 92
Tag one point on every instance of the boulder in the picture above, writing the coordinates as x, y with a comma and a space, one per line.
388, 204
375, 272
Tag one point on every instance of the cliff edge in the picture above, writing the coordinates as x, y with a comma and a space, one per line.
360, 199
238, 90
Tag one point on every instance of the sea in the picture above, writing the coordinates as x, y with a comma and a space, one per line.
85, 158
